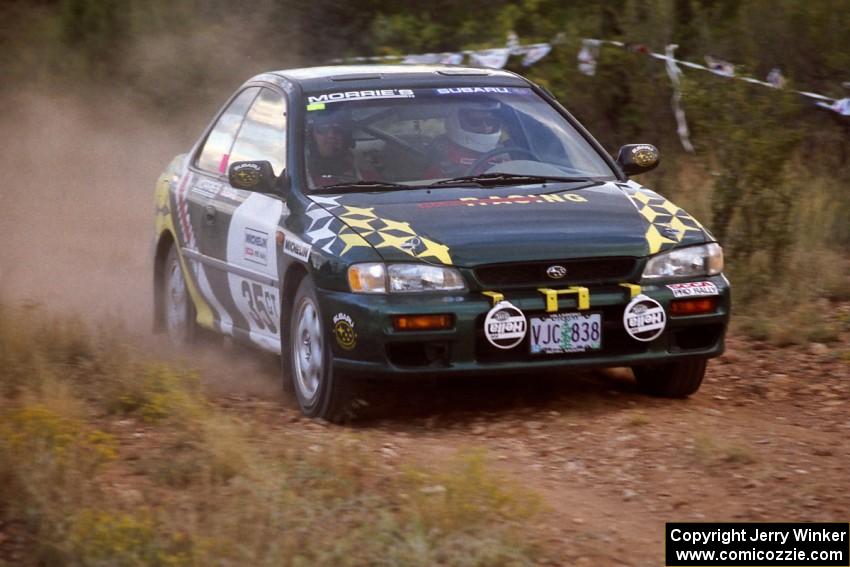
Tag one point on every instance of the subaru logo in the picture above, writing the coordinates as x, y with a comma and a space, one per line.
411, 244
669, 232
556, 272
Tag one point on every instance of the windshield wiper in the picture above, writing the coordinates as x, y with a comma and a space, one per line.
362, 185
491, 179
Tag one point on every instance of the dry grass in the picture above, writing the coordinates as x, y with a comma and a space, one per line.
712, 452
783, 300
202, 487
794, 308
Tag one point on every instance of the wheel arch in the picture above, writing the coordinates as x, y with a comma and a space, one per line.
291, 280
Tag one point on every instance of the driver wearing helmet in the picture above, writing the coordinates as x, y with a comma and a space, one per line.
472, 131
329, 144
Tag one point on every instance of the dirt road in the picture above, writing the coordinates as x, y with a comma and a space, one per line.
765, 439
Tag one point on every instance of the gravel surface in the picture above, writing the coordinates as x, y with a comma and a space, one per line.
765, 439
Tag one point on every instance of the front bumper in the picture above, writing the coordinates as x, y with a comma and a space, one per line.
380, 351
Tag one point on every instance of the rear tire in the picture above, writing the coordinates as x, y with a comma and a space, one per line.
178, 313
677, 379
321, 392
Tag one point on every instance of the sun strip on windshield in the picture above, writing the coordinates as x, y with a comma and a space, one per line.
346, 96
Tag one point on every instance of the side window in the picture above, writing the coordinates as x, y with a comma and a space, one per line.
215, 154
263, 133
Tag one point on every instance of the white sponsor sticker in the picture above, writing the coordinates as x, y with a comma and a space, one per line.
296, 248
256, 246
693, 289
644, 318
250, 245
360, 95
468, 90
505, 325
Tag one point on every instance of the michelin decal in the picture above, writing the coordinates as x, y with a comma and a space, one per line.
256, 246
296, 248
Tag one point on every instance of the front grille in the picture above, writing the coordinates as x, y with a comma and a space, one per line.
579, 271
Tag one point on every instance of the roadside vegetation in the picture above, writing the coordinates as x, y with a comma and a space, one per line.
108, 458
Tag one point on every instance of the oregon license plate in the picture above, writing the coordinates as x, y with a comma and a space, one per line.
566, 332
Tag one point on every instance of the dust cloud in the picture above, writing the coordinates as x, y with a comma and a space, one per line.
77, 221
80, 160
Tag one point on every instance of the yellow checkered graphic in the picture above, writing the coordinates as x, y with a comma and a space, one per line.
351, 239
387, 233
668, 224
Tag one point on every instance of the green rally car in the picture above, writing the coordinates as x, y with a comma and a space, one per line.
380, 221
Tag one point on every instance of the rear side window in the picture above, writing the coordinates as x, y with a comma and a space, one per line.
263, 133
215, 154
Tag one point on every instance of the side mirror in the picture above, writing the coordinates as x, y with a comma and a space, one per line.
252, 176
637, 158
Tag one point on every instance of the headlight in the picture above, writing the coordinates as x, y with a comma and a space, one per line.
705, 260
367, 278
403, 278
422, 277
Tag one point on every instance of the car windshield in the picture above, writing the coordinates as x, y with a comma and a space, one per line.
409, 138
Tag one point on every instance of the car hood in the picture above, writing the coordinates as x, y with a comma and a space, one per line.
475, 226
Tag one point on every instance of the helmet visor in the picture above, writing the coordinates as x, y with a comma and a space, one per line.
479, 121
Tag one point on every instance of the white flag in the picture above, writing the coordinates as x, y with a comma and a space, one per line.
841, 106
720, 67
681, 123
535, 54
587, 56
492, 58
775, 78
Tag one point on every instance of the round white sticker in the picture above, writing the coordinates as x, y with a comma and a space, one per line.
644, 318
505, 325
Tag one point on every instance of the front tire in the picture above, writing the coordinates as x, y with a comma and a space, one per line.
178, 312
677, 379
321, 392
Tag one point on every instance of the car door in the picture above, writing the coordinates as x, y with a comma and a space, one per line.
246, 250
203, 180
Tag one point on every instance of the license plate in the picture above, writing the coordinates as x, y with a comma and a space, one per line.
566, 332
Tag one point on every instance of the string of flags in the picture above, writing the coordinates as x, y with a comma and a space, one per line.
494, 58
497, 58
589, 53
775, 79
